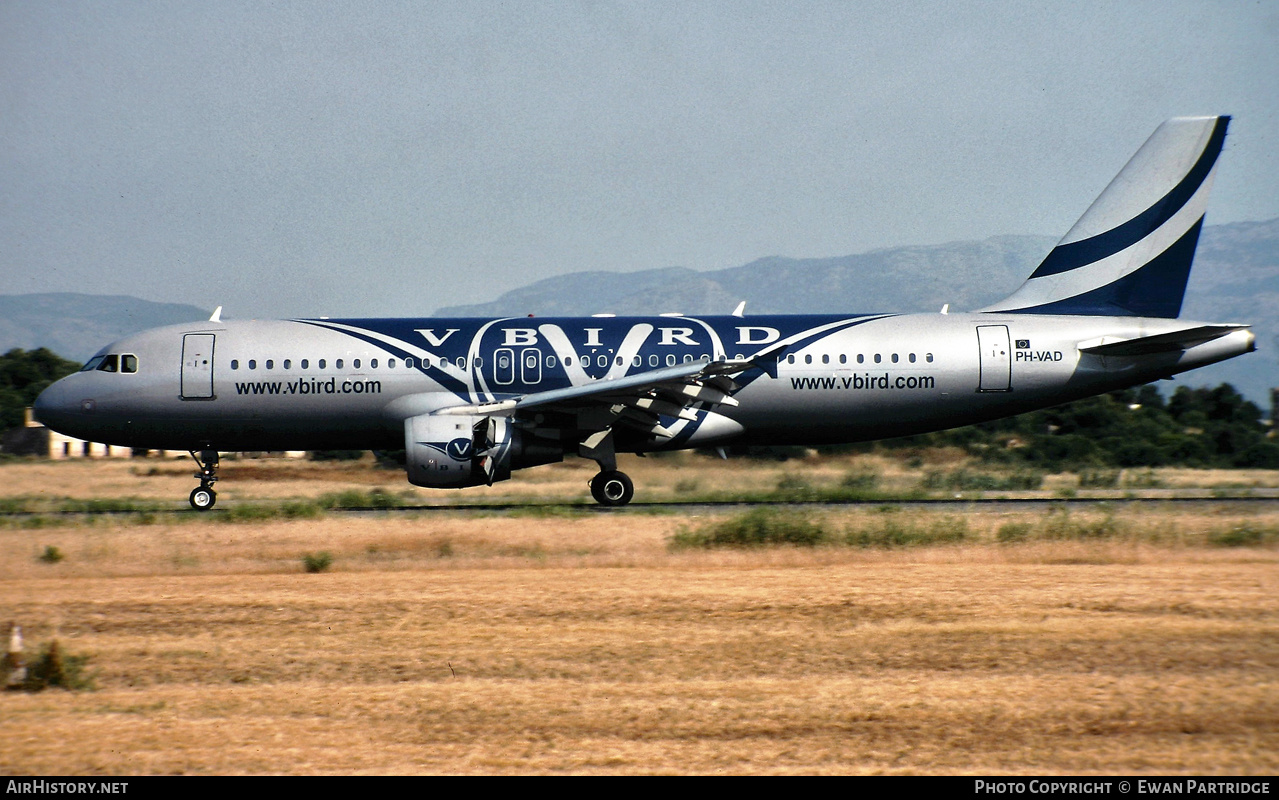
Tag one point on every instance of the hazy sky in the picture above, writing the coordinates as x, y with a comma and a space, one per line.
355, 158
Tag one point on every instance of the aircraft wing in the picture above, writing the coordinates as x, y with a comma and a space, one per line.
640, 399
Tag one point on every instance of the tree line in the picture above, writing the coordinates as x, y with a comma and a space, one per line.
1195, 427
24, 374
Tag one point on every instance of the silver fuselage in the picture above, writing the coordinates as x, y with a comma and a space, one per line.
321, 384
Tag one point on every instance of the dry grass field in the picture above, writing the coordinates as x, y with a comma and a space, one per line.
578, 641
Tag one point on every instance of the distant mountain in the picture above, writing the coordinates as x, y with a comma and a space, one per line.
1235, 279
963, 274
75, 325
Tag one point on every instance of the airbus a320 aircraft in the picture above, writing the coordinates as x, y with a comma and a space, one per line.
471, 400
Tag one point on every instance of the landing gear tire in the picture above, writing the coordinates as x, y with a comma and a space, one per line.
203, 498
612, 488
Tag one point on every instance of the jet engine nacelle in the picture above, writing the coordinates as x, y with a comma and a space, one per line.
454, 451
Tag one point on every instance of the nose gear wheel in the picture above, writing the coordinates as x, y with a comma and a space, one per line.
203, 497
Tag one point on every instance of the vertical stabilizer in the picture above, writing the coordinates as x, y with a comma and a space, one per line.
1131, 251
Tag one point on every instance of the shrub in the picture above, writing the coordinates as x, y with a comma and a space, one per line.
1146, 479
1059, 525
687, 486
381, 498
860, 480
354, 498
891, 532
55, 668
760, 527
1011, 532
795, 488
104, 505
300, 509
52, 555
1243, 534
317, 562
969, 480
250, 512
1098, 478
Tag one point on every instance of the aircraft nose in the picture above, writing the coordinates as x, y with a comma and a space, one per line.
55, 405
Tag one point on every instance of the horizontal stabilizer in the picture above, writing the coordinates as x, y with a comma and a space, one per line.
1159, 343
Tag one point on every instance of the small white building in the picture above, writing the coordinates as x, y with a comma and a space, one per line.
59, 446
34, 439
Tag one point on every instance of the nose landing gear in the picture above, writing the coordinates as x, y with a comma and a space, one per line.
203, 497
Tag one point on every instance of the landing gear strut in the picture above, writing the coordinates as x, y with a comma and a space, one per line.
612, 488
203, 497
609, 487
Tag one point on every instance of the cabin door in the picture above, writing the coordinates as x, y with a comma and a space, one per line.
996, 359
197, 366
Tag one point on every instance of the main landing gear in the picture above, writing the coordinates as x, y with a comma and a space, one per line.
203, 497
609, 487
612, 488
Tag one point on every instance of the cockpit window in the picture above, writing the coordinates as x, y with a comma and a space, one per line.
127, 363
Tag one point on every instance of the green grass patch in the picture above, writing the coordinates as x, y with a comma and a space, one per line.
1014, 532
249, 512
37, 522
550, 511
967, 480
1143, 479
861, 480
687, 486
355, 498
300, 509
764, 527
760, 527
892, 531
1244, 534
1060, 525
1099, 478
105, 505
15, 505
795, 488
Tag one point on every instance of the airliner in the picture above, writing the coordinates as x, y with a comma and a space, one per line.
472, 400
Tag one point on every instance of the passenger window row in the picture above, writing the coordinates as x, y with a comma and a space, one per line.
861, 358
323, 363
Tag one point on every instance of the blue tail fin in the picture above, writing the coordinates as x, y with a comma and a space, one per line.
1131, 251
